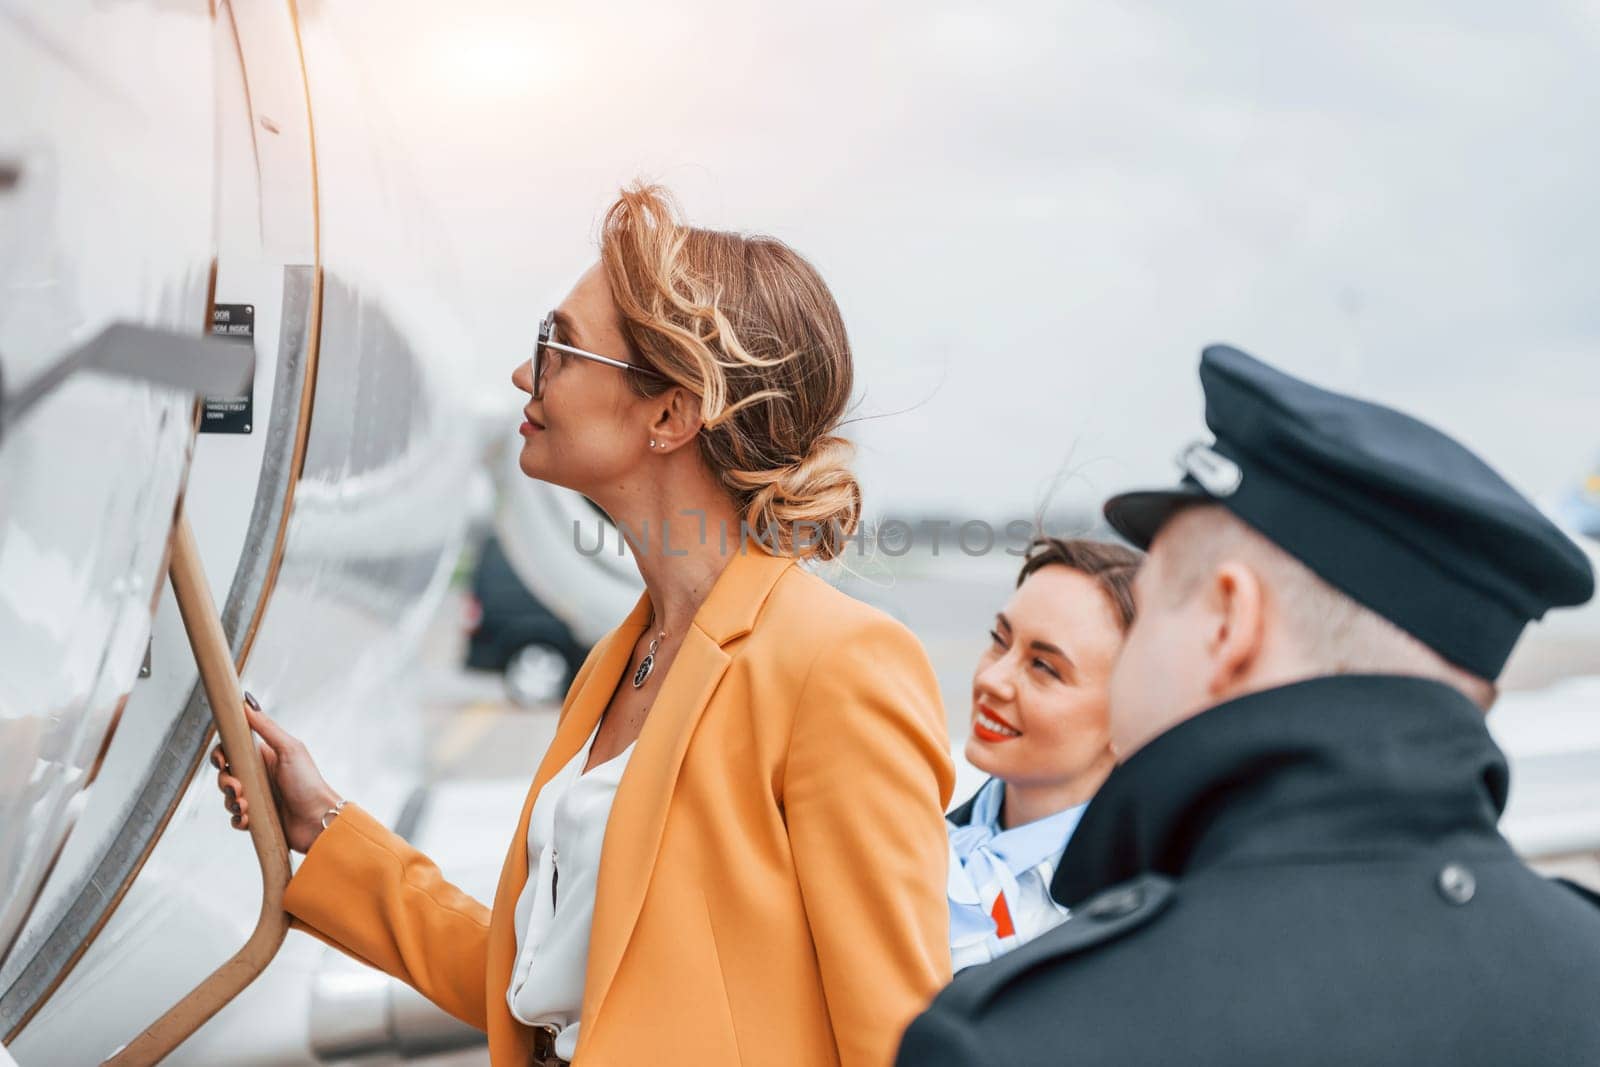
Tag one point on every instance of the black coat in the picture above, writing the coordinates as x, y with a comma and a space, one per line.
1308, 875
961, 815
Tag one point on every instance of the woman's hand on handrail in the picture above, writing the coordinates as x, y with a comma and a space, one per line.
298, 788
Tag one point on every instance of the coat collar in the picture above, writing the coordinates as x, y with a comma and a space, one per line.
638, 814
730, 610
1329, 765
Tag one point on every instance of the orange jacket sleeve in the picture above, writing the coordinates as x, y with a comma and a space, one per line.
366, 892
868, 777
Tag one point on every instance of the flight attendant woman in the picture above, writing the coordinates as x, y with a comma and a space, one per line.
734, 849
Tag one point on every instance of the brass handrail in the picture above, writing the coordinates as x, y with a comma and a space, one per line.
221, 682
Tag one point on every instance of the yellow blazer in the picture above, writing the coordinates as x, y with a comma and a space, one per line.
772, 883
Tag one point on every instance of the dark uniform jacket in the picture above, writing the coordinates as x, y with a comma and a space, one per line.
1306, 875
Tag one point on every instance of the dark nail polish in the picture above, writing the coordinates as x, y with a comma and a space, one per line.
248, 699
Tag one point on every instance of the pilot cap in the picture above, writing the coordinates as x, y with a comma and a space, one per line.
1383, 507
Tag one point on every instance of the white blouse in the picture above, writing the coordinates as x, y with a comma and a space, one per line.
555, 913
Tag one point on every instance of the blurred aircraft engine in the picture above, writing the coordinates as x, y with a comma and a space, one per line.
568, 552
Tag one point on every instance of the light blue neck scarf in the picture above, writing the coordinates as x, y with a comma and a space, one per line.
982, 854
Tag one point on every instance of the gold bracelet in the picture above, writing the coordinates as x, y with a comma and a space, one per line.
332, 812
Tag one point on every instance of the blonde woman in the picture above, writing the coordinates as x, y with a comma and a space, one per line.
734, 849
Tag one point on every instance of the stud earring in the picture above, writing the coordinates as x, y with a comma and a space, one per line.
652, 444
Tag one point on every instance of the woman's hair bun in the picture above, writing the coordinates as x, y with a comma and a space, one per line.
807, 507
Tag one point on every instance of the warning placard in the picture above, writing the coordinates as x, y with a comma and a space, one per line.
231, 414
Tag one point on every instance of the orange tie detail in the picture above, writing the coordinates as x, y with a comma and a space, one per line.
1002, 917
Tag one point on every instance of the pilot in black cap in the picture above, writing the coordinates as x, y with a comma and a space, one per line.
1383, 507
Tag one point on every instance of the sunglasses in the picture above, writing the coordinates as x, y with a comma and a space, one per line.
541, 347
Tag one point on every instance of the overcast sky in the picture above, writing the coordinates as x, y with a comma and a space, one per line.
1034, 215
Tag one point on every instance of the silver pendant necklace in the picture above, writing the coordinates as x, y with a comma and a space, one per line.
647, 664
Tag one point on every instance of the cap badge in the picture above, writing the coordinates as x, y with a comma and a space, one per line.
1217, 474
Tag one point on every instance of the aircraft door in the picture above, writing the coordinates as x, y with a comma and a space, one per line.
248, 190
104, 220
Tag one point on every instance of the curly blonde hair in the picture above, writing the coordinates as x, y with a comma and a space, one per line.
748, 326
